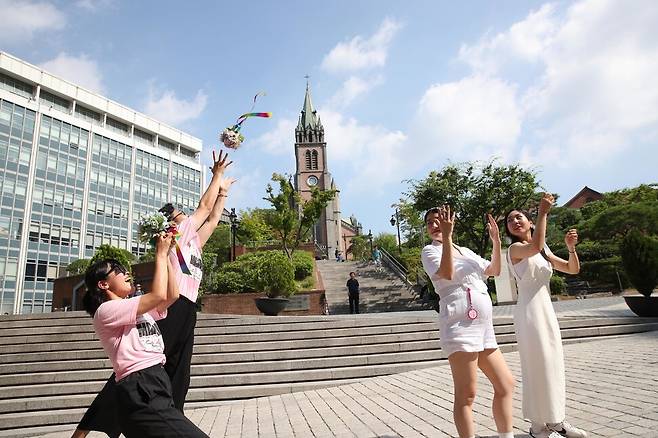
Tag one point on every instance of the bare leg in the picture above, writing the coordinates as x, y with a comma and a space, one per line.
493, 365
464, 377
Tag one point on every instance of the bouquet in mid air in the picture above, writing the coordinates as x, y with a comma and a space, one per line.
231, 136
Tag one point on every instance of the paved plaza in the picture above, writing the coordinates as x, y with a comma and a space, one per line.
612, 391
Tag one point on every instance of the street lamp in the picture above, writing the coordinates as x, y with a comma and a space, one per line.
370, 238
395, 219
234, 227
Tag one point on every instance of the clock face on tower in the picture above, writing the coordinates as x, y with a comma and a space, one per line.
312, 181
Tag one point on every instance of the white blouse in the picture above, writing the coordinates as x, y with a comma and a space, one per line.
469, 269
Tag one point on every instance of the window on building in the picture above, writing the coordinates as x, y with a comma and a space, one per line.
50, 100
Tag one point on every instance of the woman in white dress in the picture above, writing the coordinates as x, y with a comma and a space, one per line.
465, 320
535, 323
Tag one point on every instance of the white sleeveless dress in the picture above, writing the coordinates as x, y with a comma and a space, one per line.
540, 344
457, 331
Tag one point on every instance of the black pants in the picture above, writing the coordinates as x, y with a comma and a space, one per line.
354, 302
146, 408
178, 335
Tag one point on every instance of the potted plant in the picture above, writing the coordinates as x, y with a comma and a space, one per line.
639, 254
276, 277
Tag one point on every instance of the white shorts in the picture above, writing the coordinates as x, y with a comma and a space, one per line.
457, 331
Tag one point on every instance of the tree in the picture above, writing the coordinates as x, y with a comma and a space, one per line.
293, 217
472, 189
360, 247
219, 244
105, 251
254, 225
386, 241
77, 267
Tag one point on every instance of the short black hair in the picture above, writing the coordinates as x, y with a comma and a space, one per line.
432, 210
95, 273
168, 210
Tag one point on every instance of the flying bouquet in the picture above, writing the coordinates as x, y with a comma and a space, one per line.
231, 136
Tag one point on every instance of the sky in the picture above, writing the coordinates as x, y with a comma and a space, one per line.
567, 89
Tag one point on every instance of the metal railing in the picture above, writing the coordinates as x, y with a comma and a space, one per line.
394, 265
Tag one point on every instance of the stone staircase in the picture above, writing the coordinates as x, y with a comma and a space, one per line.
52, 366
380, 290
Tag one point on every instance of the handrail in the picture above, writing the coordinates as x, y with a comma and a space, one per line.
395, 266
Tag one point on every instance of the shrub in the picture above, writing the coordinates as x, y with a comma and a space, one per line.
264, 271
302, 262
228, 282
603, 271
558, 285
640, 258
276, 276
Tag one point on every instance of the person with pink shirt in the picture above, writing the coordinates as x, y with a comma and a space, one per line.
127, 330
178, 328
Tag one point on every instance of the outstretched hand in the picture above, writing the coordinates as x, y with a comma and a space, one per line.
163, 242
446, 220
494, 231
220, 164
571, 239
547, 201
225, 185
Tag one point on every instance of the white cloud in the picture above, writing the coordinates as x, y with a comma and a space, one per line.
352, 88
280, 140
78, 69
372, 152
93, 5
360, 53
475, 112
167, 107
526, 40
23, 19
584, 77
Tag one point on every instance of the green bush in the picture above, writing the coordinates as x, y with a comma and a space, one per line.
228, 282
302, 262
640, 258
558, 285
603, 271
264, 271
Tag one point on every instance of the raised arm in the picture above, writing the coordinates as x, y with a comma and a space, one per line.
158, 294
208, 199
211, 222
494, 234
172, 288
571, 266
523, 250
446, 223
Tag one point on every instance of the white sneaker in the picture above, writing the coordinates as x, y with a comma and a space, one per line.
565, 429
544, 433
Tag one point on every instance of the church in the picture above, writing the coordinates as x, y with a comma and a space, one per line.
331, 232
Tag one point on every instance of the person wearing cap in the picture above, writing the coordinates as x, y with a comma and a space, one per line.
178, 328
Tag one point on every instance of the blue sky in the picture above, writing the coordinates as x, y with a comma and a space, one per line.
567, 88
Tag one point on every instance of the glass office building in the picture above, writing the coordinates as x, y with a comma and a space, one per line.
77, 171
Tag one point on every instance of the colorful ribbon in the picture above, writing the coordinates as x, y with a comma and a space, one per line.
243, 117
181, 261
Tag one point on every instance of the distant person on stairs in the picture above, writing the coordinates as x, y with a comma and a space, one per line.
377, 258
353, 292
466, 321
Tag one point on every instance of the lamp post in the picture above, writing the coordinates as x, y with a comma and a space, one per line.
395, 220
370, 238
234, 227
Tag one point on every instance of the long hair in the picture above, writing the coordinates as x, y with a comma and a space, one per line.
95, 273
514, 238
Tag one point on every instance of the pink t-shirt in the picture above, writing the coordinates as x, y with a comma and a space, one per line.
190, 248
132, 342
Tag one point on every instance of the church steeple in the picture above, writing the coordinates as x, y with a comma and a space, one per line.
309, 127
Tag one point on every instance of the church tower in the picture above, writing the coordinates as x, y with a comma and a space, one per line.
312, 171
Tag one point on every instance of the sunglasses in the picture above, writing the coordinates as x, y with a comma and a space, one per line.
117, 268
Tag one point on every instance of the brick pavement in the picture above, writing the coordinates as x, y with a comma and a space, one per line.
612, 391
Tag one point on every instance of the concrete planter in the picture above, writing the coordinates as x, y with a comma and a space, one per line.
271, 306
643, 306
